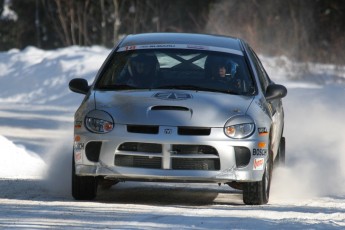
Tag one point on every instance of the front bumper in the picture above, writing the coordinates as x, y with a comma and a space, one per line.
200, 158
125, 174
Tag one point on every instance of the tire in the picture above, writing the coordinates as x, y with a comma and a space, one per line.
83, 187
257, 193
280, 160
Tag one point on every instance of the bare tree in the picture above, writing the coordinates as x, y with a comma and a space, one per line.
63, 22
103, 24
117, 21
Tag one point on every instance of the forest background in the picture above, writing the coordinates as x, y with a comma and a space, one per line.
303, 30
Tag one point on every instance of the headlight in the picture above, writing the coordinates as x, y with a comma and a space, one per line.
239, 127
99, 121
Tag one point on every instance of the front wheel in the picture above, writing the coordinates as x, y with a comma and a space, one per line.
83, 187
257, 193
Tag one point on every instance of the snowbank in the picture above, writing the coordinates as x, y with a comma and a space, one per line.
18, 162
34, 76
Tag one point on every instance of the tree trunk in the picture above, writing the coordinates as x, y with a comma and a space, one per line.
67, 40
103, 24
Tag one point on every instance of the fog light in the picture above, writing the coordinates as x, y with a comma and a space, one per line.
242, 156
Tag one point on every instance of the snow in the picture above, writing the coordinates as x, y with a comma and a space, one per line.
36, 119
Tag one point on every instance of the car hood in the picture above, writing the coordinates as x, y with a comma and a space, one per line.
171, 108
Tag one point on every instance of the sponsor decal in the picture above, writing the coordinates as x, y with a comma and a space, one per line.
78, 146
159, 46
77, 157
197, 47
78, 124
180, 46
259, 152
262, 131
153, 46
130, 48
258, 164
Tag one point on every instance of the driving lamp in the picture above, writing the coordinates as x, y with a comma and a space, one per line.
98, 121
239, 127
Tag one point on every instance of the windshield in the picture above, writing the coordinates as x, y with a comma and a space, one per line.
184, 69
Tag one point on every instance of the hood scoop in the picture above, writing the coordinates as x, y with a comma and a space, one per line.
169, 108
169, 114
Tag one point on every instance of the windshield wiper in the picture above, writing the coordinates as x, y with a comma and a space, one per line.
196, 88
186, 87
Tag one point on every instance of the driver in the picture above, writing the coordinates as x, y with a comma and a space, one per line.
224, 71
141, 70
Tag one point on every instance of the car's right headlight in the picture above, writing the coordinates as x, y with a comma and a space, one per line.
241, 126
99, 121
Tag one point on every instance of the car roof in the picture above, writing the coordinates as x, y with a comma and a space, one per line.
182, 38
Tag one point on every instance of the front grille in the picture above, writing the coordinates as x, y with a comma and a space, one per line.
194, 149
140, 147
182, 157
194, 131
197, 157
147, 129
195, 164
138, 161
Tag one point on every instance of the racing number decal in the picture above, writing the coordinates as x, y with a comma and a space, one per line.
130, 48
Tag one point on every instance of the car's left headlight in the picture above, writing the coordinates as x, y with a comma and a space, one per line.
240, 126
98, 121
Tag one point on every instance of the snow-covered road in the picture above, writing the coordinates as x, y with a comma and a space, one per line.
27, 204
35, 166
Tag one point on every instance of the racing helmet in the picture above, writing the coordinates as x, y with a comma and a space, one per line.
143, 65
214, 63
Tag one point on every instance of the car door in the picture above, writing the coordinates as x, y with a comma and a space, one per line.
275, 106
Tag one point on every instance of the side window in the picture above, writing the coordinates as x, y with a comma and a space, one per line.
265, 75
266, 79
263, 78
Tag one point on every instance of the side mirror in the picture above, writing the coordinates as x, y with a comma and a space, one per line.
275, 91
79, 85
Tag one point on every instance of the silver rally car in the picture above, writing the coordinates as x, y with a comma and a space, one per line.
171, 107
